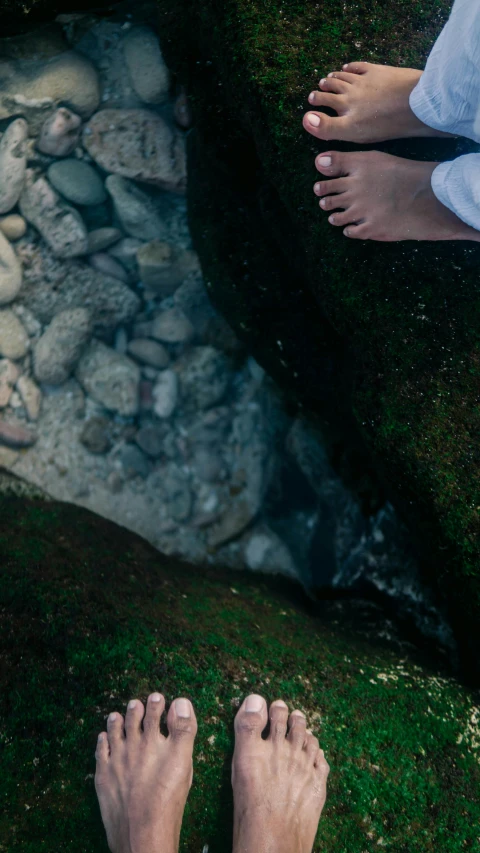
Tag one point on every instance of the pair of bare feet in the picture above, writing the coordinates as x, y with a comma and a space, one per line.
381, 197
142, 778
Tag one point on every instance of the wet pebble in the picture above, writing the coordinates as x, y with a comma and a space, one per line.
101, 238
8, 376
173, 327
60, 133
95, 435
165, 394
14, 341
103, 262
31, 397
58, 350
112, 379
10, 272
149, 352
150, 438
15, 435
149, 74
59, 224
13, 163
77, 181
13, 226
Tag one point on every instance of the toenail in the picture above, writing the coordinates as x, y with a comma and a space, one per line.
100, 737
331, 74
131, 705
316, 187
322, 81
314, 120
155, 697
324, 161
322, 202
311, 96
298, 714
254, 703
331, 219
112, 717
279, 703
182, 707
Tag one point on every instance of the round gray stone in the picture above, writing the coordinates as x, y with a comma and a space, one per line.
77, 181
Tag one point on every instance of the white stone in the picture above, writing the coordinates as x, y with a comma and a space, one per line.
14, 341
10, 272
13, 162
146, 67
173, 327
31, 397
165, 394
13, 226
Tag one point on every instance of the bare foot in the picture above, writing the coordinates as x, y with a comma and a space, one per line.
142, 778
279, 784
372, 102
386, 198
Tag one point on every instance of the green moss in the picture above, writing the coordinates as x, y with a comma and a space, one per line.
406, 315
95, 616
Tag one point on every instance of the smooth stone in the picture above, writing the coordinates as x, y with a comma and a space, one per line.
13, 163
77, 181
60, 225
101, 238
13, 226
8, 376
14, 435
10, 272
150, 438
104, 263
163, 267
112, 379
58, 350
38, 91
204, 374
265, 552
125, 251
149, 352
134, 208
133, 461
165, 394
149, 74
14, 341
31, 397
137, 144
173, 327
60, 133
95, 435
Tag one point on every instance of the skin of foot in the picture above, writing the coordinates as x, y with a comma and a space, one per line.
142, 778
279, 783
385, 198
371, 102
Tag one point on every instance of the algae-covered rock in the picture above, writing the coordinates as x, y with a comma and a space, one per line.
385, 332
92, 616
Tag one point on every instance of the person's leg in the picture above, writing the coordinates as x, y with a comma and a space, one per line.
447, 95
279, 784
142, 778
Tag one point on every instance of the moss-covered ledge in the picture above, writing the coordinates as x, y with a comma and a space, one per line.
406, 315
91, 616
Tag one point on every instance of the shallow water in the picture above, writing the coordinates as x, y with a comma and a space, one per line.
121, 388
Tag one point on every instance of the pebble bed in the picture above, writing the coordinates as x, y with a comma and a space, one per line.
121, 388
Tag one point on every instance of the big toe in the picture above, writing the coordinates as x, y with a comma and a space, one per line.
251, 719
332, 163
182, 723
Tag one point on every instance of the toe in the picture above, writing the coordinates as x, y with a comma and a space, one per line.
331, 163
356, 67
297, 726
251, 718
341, 219
324, 99
115, 729
102, 751
335, 185
155, 709
334, 202
133, 718
345, 76
182, 722
311, 746
334, 84
278, 721
357, 232
322, 764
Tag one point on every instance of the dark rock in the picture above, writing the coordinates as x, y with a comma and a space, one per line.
95, 435
150, 438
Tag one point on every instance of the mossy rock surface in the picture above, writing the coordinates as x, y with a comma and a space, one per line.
92, 616
398, 321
